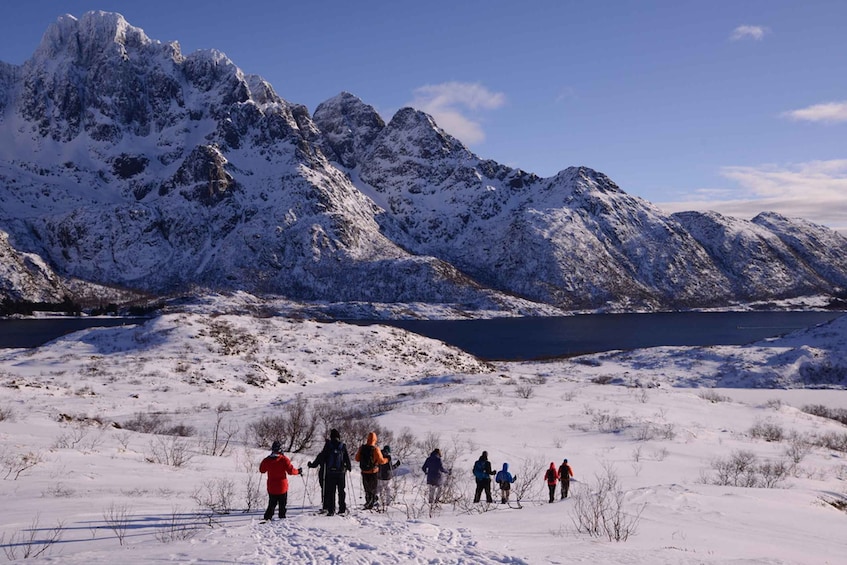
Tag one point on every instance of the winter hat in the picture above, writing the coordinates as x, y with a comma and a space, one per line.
386, 449
333, 434
276, 447
565, 461
484, 455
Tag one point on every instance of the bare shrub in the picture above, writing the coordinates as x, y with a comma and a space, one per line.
767, 431
147, 422
252, 482
771, 473
13, 465
216, 496
713, 396
169, 450
6, 414
24, 544
178, 527
609, 423
600, 510
117, 518
525, 390
429, 443
222, 433
831, 440
157, 423
527, 475
58, 490
797, 449
295, 427
743, 469
837, 414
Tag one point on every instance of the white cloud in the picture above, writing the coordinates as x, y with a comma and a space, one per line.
451, 102
830, 112
748, 32
815, 191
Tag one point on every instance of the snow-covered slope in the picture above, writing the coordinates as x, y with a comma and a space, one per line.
117, 490
125, 162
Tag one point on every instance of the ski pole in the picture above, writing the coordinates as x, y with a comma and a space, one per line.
305, 490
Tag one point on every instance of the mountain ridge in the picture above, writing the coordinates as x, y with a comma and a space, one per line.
124, 162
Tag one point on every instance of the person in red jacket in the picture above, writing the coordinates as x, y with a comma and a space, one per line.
278, 467
552, 478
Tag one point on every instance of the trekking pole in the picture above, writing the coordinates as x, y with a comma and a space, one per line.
352, 486
305, 489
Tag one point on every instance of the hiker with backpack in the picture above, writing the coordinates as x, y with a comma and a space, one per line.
565, 474
385, 474
370, 458
482, 473
321, 473
435, 471
505, 479
278, 467
334, 462
552, 478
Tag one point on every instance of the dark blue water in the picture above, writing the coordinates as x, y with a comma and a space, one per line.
32, 332
516, 339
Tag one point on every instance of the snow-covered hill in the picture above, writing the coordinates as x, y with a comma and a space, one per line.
125, 162
648, 419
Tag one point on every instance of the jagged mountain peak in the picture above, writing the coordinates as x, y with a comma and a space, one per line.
350, 127
95, 34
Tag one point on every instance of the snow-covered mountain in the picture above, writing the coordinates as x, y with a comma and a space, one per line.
125, 162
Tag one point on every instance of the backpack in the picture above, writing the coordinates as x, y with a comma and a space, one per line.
366, 458
551, 475
335, 459
479, 470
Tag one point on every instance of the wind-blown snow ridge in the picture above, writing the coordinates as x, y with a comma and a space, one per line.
124, 162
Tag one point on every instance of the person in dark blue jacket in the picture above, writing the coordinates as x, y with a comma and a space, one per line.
482, 473
435, 472
505, 479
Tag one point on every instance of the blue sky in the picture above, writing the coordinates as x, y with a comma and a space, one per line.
736, 106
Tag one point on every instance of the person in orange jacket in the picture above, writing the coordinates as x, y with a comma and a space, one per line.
278, 467
552, 478
370, 458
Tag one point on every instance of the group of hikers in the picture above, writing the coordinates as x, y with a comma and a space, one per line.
377, 467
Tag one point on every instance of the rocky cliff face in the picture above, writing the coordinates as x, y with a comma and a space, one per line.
124, 162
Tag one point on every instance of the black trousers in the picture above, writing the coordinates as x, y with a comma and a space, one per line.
273, 500
566, 484
483, 485
552, 491
370, 482
334, 483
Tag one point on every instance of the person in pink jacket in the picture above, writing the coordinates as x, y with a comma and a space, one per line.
278, 467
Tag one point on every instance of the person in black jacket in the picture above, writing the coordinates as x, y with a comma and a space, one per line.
385, 474
335, 461
482, 473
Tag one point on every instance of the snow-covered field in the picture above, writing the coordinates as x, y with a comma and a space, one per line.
76, 488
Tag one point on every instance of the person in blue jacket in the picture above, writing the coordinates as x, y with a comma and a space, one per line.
435, 472
505, 479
